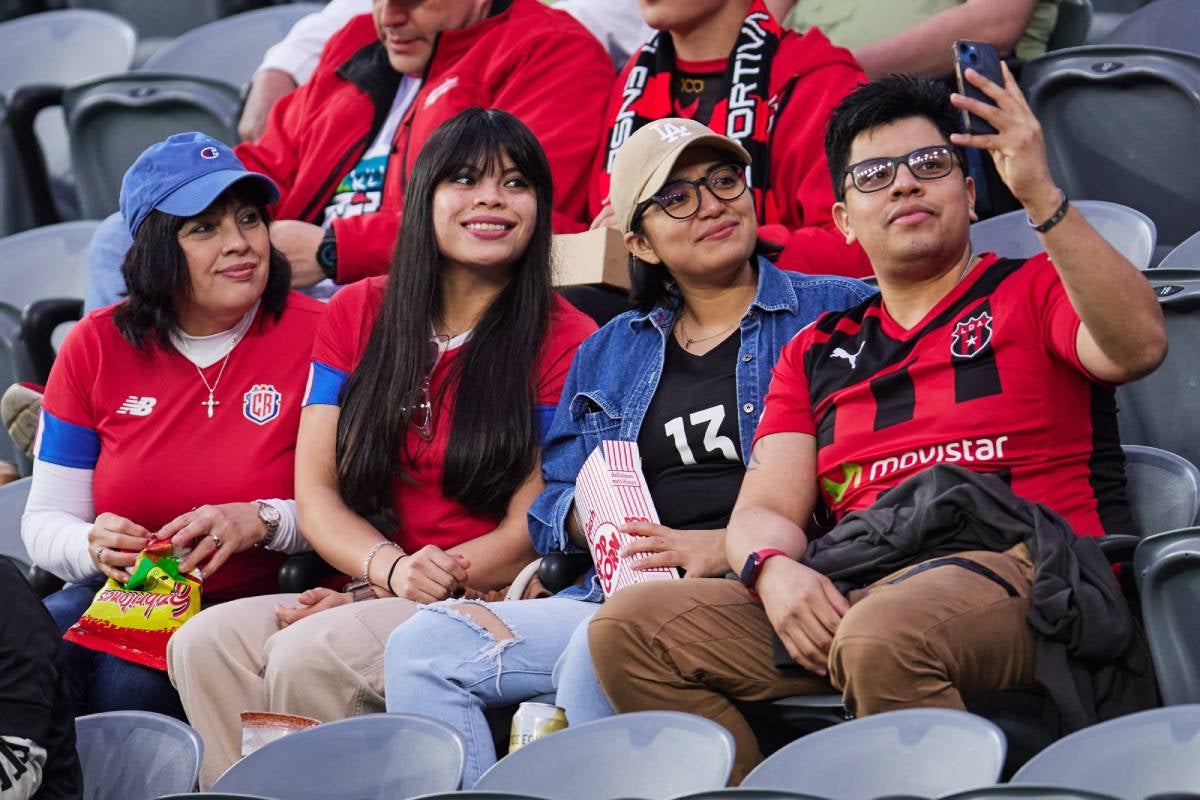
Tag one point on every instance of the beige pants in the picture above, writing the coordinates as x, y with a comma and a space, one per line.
234, 657
919, 637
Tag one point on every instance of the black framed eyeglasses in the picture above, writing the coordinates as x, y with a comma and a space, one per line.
681, 199
925, 164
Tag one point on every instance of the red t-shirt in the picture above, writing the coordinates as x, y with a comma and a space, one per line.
990, 379
426, 516
136, 417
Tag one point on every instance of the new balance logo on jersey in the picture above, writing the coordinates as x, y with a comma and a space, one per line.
138, 406
670, 132
840, 352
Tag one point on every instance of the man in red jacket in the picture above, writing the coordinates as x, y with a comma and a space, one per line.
341, 147
731, 66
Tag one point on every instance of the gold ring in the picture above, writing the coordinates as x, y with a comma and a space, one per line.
216, 540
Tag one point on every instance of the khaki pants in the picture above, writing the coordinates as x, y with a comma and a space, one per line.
928, 639
234, 657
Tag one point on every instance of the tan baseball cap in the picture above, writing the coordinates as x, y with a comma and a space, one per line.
644, 162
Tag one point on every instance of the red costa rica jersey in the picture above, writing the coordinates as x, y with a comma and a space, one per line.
426, 515
136, 416
989, 379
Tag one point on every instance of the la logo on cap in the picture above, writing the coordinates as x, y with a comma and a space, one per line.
670, 132
210, 152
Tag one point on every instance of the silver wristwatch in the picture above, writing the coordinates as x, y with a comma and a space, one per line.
270, 517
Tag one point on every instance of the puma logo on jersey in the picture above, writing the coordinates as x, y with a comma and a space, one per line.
137, 406
840, 352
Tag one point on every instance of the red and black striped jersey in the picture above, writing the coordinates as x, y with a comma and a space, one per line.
989, 379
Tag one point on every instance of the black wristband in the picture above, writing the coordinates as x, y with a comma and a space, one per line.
327, 254
1055, 218
392, 571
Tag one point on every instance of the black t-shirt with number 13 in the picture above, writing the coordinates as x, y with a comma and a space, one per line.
691, 453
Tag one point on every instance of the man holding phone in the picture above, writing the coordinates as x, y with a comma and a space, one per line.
993, 365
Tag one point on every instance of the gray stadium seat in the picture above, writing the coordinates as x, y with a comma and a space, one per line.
1186, 254
372, 757
744, 793
1127, 229
1174, 24
654, 755
467, 794
924, 752
169, 18
229, 49
1130, 757
1164, 489
59, 48
16, 212
1072, 26
112, 120
1167, 570
136, 755
1160, 409
1120, 124
1008, 791
12, 506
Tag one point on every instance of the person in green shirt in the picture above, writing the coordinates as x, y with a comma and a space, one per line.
915, 36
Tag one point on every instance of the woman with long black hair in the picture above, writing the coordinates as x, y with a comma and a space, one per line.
418, 453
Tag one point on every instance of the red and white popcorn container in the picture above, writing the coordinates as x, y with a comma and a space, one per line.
610, 492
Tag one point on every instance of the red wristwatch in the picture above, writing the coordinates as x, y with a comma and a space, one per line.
754, 564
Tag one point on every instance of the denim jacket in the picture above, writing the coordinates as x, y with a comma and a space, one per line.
615, 374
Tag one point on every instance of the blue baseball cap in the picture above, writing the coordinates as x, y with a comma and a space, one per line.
183, 175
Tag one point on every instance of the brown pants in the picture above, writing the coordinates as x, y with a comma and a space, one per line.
932, 637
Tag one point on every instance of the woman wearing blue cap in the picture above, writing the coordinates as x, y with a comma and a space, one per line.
174, 413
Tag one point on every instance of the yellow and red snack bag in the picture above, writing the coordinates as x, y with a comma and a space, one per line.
134, 621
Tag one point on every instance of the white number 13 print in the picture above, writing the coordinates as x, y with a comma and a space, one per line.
712, 441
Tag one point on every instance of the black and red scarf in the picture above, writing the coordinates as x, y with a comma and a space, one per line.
745, 115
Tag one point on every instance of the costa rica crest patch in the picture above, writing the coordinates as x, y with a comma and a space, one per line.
261, 404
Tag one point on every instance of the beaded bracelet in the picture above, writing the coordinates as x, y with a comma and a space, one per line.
366, 576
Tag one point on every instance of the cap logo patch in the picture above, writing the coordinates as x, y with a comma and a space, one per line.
669, 132
210, 152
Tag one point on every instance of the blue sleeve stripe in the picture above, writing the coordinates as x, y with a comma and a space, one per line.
543, 416
67, 444
324, 385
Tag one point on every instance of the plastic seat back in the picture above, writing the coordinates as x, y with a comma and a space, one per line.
50, 261
1128, 230
1173, 24
1167, 569
1119, 124
1130, 757
653, 755
12, 506
136, 755
1159, 409
1163, 489
229, 49
1185, 256
924, 752
1008, 791
372, 757
168, 19
112, 120
1072, 26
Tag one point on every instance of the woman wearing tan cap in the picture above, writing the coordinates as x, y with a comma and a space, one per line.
683, 376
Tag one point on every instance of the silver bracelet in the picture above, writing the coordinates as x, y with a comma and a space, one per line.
366, 576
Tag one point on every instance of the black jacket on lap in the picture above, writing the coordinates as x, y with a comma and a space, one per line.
1092, 658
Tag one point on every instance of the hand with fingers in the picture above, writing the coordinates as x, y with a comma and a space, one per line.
804, 608
114, 543
311, 602
701, 554
214, 532
428, 575
1017, 148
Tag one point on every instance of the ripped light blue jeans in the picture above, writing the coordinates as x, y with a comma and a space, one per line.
442, 664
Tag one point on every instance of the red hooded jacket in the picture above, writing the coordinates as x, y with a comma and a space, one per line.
809, 76
532, 61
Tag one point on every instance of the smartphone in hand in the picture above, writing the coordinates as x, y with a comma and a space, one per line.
985, 59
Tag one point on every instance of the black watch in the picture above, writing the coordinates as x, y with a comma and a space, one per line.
327, 254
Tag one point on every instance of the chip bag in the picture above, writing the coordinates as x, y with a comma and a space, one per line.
134, 621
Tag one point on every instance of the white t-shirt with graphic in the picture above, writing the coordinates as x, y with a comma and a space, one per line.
361, 190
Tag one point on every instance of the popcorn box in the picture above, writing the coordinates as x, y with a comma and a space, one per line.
597, 256
611, 491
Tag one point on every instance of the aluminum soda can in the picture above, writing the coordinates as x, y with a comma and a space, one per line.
533, 721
